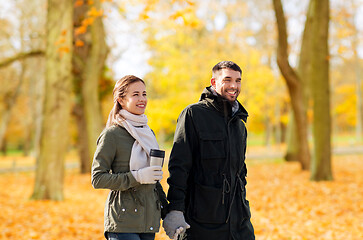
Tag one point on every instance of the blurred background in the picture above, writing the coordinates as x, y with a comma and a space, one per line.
59, 61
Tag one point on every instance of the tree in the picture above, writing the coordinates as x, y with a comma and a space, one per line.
303, 71
20, 56
20, 62
56, 111
182, 60
346, 38
321, 164
88, 64
294, 85
9, 105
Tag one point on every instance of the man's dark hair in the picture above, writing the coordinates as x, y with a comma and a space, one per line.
226, 64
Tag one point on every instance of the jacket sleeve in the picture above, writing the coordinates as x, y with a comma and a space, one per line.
102, 177
163, 200
181, 161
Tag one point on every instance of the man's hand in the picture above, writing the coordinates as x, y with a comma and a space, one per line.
179, 232
174, 221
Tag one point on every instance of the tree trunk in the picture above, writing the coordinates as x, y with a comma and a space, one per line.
277, 127
292, 142
56, 111
9, 104
358, 77
321, 166
268, 132
82, 140
4, 147
35, 92
39, 92
304, 74
88, 64
294, 86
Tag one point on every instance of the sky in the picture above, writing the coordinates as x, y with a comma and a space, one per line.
128, 50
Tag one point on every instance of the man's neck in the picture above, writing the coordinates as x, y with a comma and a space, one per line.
234, 104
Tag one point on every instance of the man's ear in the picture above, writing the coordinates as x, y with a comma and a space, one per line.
213, 82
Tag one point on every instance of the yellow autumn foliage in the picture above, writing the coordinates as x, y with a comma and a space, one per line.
181, 68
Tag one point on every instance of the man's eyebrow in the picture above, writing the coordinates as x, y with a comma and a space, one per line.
231, 77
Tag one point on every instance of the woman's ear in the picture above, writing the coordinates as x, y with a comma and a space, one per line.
119, 100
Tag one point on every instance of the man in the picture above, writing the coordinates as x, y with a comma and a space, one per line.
207, 195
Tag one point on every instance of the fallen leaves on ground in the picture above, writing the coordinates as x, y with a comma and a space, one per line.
284, 205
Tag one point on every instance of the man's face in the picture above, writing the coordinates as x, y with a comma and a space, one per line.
227, 83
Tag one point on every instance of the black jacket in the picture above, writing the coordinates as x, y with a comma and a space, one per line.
207, 170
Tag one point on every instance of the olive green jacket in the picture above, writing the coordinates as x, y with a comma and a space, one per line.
130, 207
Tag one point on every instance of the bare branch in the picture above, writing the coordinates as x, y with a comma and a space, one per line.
21, 56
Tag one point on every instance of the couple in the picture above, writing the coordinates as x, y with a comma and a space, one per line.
207, 196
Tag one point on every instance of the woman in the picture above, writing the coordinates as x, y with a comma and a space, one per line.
121, 163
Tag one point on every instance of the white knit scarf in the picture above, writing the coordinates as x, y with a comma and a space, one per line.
145, 139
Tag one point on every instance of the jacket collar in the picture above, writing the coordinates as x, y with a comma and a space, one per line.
222, 105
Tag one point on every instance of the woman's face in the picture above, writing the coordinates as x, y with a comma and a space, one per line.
135, 99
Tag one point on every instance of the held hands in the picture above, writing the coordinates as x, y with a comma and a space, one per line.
148, 175
174, 224
179, 232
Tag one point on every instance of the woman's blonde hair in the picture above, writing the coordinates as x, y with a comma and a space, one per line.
119, 91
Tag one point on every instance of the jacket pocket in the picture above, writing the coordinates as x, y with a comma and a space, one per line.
123, 208
113, 203
208, 207
212, 145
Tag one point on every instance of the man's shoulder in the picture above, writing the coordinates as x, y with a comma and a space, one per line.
198, 106
192, 110
196, 111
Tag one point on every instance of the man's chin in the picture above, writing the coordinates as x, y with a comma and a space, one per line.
231, 99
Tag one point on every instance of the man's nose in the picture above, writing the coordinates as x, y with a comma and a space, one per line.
233, 84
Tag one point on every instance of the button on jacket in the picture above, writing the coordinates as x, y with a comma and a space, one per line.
130, 207
207, 170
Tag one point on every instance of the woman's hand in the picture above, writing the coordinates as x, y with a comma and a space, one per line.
148, 175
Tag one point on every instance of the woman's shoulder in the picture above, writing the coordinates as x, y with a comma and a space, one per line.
113, 131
